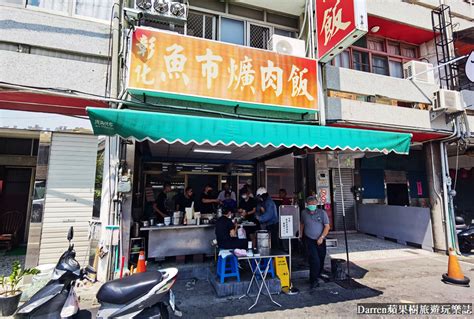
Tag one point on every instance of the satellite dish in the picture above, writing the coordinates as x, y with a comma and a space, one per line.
284, 47
470, 67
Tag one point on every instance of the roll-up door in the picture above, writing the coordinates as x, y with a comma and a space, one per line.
347, 175
69, 195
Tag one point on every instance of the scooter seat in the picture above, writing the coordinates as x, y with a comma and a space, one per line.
124, 290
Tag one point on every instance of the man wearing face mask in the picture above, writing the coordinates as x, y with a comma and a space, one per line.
247, 208
267, 215
207, 202
226, 232
313, 230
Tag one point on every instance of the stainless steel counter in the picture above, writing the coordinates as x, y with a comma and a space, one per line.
180, 240
176, 227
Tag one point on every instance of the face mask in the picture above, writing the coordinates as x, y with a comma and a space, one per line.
312, 207
244, 197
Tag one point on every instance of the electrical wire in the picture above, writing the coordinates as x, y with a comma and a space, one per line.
457, 166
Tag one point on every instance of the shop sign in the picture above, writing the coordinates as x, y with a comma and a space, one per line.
339, 23
171, 65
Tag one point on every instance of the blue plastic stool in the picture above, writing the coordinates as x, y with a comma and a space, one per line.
228, 267
262, 265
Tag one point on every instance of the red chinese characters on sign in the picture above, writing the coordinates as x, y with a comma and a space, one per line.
335, 20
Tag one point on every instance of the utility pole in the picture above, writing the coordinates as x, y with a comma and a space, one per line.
111, 159
438, 218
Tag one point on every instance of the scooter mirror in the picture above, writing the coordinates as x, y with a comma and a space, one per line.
70, 233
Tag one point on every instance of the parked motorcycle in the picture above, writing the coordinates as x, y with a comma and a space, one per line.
144, 295
466, 240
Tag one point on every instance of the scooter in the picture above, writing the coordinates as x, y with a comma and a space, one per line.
144, 295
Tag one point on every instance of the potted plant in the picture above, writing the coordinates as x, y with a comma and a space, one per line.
10, 293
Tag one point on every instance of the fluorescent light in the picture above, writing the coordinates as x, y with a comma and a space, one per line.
201, 150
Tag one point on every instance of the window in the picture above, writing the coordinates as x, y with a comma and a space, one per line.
97, 9
375, 45
360, 61
15, 2
377, 55
232, 31
409, 52
393, 48
259, 36
55, 5
395, 68
201, 25
379, 65
343, 60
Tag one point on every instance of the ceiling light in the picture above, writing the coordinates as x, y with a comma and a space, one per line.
201, 150
375, 29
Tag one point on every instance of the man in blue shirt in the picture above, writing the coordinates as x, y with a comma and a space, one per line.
267, 215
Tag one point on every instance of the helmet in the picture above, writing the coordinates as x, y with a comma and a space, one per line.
261, 191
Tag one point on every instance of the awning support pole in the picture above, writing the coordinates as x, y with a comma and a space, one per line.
343, 216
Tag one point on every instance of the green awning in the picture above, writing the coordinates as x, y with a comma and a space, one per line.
186, 129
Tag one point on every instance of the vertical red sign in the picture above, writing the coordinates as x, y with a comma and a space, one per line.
419, 188
335, 20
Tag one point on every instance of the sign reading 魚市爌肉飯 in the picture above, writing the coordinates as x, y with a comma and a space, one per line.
183, 67
339, 23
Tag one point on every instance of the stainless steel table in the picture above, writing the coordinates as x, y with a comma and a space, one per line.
257, 271
180, 240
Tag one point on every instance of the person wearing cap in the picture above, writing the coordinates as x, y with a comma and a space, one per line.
314, 228
267, 215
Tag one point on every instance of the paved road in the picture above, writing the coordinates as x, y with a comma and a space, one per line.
397, 274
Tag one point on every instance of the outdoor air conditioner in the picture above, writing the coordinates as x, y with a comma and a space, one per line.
170, 11
418, 71
287, 45
449, 101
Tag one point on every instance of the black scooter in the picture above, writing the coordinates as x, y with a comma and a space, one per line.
465, 235
144, 295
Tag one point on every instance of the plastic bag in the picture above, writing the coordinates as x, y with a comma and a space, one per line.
71, 306
241, 233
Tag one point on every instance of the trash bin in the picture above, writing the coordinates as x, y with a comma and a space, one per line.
338, 269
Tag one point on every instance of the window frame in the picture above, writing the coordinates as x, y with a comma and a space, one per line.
215, 25
69, 13
384, 53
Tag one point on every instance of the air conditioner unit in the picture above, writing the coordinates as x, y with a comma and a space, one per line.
287, 45
170, 11
447, 100
418, 71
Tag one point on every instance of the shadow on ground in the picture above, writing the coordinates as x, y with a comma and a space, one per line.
197, 298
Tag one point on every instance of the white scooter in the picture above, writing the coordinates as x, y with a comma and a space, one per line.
144, 295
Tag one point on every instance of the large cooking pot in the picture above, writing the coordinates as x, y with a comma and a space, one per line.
263, 241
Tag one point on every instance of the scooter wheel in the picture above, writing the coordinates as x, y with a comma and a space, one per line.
164, 314
465, 248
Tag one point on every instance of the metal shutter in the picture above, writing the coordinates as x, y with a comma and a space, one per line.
347, 175
69, 195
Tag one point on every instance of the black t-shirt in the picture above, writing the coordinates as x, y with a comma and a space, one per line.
248, 206
161, 205
206, 208
184, 202
223, 227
